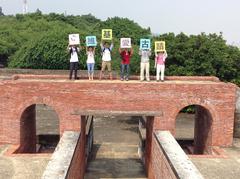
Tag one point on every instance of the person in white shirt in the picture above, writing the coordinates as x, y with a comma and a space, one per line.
90, 51
73, 50
106, 58
145, 55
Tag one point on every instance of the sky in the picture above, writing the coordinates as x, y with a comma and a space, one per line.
162, 16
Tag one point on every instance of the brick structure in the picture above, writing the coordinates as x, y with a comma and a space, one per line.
216, 101
169, 160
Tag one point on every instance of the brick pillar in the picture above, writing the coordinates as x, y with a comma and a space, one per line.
28, 137
82, 146
78, 164
202, 131
164, 123
149, 138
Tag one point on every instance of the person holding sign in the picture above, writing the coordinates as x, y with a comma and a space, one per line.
73, 50
145, 53
126, 57
90, 51
160, 59
106, 58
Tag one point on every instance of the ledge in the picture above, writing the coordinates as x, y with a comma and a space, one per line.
60, 161
179, 161
115, 113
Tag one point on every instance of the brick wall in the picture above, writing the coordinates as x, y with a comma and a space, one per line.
202, 131
237, 115
160, 166
168, 160
28, 137
166, 99
78, 163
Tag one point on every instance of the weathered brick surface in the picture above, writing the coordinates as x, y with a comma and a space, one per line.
169, 160
78, 164
160, 166
237, 115
28, 138
68, 96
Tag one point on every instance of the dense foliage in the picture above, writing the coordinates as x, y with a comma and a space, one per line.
39, 41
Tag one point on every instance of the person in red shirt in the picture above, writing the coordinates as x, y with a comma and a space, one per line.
126, 57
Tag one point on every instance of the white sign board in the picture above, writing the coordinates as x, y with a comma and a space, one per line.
126, 43
74, 39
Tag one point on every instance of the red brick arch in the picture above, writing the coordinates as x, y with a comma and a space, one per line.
204, 119
27, 124
165, 99
210, 108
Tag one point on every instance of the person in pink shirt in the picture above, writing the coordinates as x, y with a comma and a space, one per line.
160, 59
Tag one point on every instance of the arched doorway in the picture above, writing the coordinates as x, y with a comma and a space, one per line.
193, 129
39, 129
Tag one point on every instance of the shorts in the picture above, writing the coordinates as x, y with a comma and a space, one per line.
106, 64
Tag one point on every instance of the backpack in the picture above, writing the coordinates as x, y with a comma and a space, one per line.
105, 49
71, 51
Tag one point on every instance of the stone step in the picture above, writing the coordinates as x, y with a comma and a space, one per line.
128, 164
115, 150
117, 155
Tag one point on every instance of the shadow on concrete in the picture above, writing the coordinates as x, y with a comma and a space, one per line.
115, 168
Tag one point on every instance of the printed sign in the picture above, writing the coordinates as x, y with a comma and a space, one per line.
74, 39
159, 46
126, 43
91, 41
145, 44
106, 34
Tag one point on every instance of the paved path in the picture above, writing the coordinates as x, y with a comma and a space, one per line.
115, 149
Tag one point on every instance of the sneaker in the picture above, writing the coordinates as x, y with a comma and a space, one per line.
126, 79
157, 80
121, 79
162, 80
148, 80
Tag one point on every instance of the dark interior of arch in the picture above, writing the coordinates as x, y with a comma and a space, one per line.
193, 130
202, 134
39, 130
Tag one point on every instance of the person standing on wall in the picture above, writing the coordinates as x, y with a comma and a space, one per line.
106, 58
90, 51
73, 50
145, 55
160, 59
126, 57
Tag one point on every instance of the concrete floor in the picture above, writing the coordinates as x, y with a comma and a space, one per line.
221, 168
20, 167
